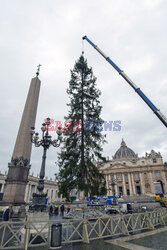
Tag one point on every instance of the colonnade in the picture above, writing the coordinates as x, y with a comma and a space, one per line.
52, 191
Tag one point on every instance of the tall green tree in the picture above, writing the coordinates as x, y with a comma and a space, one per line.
83, 138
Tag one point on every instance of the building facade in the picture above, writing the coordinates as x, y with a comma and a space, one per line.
50, 187
128, 174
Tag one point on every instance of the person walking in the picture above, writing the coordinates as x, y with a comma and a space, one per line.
62, 208
56, 211
68, 209
6, 214
50, 210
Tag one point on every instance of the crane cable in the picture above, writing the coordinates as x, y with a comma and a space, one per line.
82, 47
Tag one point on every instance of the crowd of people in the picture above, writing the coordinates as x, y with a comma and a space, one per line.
53, 210
58, 210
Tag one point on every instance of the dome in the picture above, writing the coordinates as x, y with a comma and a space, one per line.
124, 152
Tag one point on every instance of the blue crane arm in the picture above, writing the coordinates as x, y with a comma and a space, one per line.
131, 83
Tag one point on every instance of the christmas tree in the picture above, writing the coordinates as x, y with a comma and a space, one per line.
83, 139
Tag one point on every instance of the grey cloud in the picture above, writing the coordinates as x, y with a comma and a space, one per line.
132, 33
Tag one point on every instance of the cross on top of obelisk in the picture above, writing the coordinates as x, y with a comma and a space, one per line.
38, 69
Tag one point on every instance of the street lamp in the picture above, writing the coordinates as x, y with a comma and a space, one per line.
39, 198
112, 183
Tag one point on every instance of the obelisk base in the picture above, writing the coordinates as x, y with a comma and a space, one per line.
15, 186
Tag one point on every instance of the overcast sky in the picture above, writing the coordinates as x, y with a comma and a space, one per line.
133, 33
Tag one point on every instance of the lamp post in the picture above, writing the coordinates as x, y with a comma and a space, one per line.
39, 198
112, 184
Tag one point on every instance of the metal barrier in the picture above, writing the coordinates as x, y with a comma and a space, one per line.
24, 234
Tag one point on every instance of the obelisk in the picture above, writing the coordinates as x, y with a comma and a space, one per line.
19, 166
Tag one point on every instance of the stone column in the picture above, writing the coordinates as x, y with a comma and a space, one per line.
112, 187
151, 182
26, 194
2, 189
116, 186
130, 184
19, 166
107, 186
164, 182
124, 185
142, 183
133, 184
29, 193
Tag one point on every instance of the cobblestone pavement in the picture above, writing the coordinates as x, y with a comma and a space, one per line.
144, 241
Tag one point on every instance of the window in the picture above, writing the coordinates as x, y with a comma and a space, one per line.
136, 176
126, 177
157, 174
119, 177
154, 160
128, 192
120, 191
147, 188
138, 190
51, 194
112, 178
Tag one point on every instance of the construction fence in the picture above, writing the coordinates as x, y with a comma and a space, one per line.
29, 234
